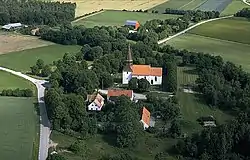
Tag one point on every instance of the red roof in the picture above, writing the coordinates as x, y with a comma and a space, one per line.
99, 100
145, 116
116, 93
146, 70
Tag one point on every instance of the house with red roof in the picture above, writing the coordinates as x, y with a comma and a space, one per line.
114, 93
152, 74
145, 119
96, 102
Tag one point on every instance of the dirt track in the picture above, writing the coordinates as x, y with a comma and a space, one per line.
12, 42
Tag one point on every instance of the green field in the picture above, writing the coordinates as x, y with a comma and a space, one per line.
9, 81
233, 7
101, 145
178, 4
191, 105
23, 60
118, 18
234, 29
18, 128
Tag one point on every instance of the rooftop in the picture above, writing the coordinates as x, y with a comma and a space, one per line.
118, 92
146, 70
146, 116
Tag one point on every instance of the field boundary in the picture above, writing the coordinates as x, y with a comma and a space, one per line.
186, 4
247, 3
86, 16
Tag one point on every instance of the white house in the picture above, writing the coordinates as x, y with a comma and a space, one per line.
113, 93
11, 26
152, 74
145, 120
96, 104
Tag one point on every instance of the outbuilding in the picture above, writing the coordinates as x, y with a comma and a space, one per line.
12, 26
135, 24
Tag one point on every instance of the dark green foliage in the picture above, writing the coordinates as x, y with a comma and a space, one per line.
79, 147
170, 75
36, 12
245, 12
94, 53
56, 157
35, 70
133, 84
17, 92
46, 70
40, 63
175, 129
143, 85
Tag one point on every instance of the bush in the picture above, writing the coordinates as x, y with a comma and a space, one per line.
17, 92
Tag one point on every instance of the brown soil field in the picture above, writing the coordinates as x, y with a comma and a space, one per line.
88, 6
15, 42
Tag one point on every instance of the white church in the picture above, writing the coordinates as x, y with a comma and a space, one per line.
152, 74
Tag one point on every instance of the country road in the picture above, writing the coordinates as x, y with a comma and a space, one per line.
247, 3
191, 27
44, 121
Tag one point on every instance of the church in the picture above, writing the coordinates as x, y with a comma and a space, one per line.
152, 74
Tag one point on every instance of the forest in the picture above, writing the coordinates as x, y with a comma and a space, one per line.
245, 12
30, 12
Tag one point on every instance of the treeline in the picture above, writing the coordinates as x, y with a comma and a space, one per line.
245, 12
226, 142
40, 69
36, 12
17, 92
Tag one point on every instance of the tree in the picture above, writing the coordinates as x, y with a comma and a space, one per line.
79, 147
170, 79
143, 85
35, 70
133, 84
46, 71
175, 129
40, 63
56, 157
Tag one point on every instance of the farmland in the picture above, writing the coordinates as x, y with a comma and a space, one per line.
23, 60
118, 18
18, 128
214, 5
88, 6
14, 42
226, 29
191, 105
233, 7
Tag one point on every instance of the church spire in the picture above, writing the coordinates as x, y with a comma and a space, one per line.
129, 57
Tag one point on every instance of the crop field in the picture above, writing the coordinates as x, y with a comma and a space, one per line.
14, 42
88, 6
228, 50
191, 105
23, 60
233, 7
18, 128
214, 5
234, 29
118, 18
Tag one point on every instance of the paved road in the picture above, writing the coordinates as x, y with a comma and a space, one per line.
193, 26
247, 3
44, 122
137, 95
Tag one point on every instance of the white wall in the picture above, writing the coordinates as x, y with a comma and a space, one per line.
145, 126
149, 78
93, 107
125, 77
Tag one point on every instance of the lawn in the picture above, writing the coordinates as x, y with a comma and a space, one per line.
100, 145
237, 53
9, 81
23, 60
234, 29
118, 18
18, 128
191, 105
233, 7
175, 4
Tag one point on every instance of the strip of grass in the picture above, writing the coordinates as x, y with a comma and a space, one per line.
233, 7
191, 105
231, 51
175, 4
234, 29
118, 18
192, 5
23, 60
17, 134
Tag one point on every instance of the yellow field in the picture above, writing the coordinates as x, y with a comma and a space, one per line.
88, 6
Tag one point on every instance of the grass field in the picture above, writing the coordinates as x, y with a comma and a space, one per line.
18, 128
101, 145
234, 29
191, 105
118, 18
88, 6
23, 60
235, 6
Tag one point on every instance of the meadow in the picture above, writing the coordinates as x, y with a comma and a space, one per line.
23, 60
191, 105
233, 7
118, 18
234, 29
214, 5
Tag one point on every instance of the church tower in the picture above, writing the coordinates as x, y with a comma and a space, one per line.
127, 70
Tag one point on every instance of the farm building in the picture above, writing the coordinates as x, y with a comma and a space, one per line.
152, 74
12, 26
96, 102
135, 24
114, 93
146, 119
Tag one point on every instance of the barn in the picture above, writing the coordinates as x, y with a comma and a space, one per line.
135, 24
12, 26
